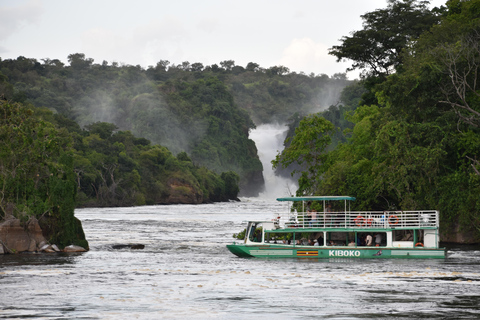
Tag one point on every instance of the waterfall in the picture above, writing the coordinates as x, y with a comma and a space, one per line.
269, 141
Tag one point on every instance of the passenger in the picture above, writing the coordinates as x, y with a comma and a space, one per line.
311, 242
368, 240
320, 241
313, 218
352, 243
332, 243
308, 217
378, 239
328, 214
361, 240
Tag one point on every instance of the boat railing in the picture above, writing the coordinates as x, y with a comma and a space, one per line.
359, 219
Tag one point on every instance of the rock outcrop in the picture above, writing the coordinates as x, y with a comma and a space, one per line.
183, 193
15, 237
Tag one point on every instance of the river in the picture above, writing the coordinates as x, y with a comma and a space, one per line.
185, 272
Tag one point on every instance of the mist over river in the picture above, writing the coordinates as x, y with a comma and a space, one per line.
185, 272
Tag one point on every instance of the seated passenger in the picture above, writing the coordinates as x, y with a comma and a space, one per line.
352, 243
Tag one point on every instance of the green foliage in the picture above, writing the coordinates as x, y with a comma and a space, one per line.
120, 170
386, 32
307, 147
36, 174
240, 235
418, 147
205, 111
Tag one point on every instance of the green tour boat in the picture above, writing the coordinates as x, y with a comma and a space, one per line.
336, 232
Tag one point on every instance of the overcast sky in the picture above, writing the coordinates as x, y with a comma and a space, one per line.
292, 33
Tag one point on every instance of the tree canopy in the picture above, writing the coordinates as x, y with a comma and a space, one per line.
377, 48
417, 144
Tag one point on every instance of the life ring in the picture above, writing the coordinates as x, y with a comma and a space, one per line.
419, 244
359, 221
393, 217
369, 222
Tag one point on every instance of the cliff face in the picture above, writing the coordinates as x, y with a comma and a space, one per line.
252, 184
183, 193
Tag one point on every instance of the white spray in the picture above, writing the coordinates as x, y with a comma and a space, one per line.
269, 141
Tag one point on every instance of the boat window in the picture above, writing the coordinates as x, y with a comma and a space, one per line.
339, 238
415, 236
279, 238
255, 232
371, 239
403, 235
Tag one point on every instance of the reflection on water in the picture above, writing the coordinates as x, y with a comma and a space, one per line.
185, 271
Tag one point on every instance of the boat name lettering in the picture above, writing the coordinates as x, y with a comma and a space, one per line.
343, 253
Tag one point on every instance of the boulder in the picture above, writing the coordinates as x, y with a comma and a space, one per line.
14, 236
44, 247
47, 248
73, 248
35, 231
135, 246
17, 238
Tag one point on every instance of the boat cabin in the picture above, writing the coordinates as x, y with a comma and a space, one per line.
327, 221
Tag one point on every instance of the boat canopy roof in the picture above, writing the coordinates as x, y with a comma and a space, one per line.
316, 198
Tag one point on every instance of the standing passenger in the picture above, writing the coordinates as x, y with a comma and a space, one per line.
369, 240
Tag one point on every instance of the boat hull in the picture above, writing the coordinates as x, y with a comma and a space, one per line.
312, 252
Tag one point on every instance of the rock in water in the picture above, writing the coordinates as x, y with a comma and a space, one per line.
73, 248
131, 246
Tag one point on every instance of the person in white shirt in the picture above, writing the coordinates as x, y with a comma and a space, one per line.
368, 240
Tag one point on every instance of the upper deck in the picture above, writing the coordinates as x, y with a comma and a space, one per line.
425, 219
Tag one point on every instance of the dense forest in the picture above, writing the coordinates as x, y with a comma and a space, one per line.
205, 111
414, 140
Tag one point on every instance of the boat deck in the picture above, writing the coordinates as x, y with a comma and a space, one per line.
359, 219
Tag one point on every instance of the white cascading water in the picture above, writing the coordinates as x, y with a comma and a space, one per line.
269, 141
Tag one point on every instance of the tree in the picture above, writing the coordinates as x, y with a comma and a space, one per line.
307, 149
227, 64
79, 62
252, 66
461, 63
376, 49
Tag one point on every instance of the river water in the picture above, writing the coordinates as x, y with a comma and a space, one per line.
185, 272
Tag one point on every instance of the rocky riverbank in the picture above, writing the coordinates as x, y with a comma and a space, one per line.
16, 237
